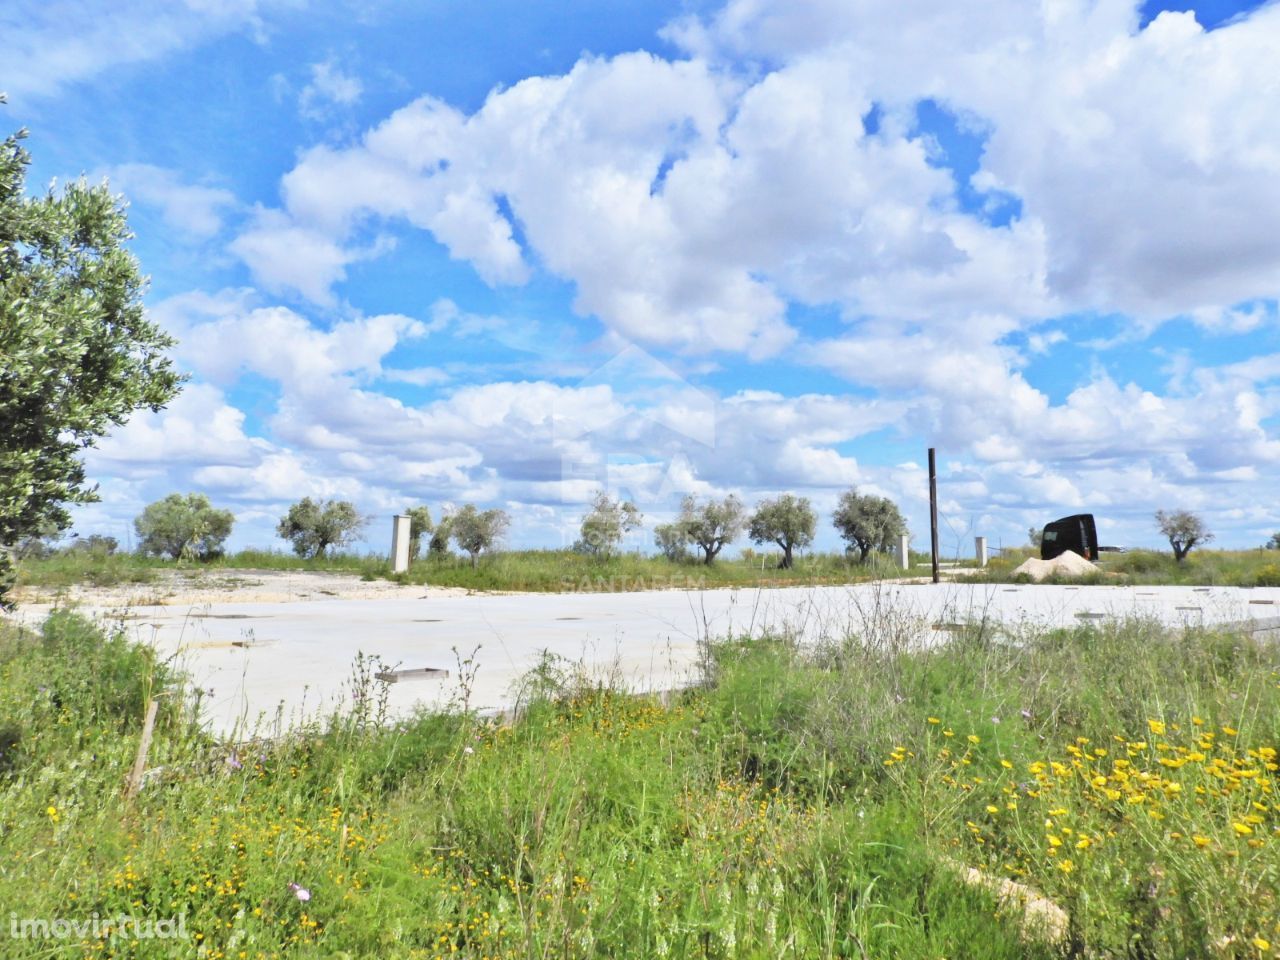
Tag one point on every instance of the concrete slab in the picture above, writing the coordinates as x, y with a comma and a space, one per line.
271, 664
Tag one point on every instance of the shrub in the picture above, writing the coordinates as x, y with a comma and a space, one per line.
1267, 576
672, 542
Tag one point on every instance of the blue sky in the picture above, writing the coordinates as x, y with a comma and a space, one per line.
507, 253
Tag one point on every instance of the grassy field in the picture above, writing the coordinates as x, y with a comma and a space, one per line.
1227, 568
799, 803
64, 568
525, 570
565, 570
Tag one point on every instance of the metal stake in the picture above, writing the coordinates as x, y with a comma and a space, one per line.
933, 510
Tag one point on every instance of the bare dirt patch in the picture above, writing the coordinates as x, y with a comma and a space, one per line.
185, 588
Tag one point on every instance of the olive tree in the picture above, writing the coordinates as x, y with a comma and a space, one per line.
1183, 529
477, 531
419, 526
711, 525
788, 521
606, 524
672, 540
79, 354
183, 527
867, 522
438, 547
313, 526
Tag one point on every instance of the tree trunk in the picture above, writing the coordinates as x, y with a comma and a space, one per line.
866, 549
786, 557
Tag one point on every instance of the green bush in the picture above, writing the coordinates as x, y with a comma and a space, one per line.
71, 670
1267, 576
1140, 562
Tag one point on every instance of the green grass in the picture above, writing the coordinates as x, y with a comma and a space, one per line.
522, 570
800, 803
66, 568
1226, 568
567, 571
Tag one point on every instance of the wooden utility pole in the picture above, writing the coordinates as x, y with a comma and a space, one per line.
933, 510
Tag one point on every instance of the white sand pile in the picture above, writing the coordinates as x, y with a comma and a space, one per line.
1069, 564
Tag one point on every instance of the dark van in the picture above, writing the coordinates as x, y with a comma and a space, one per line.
1077, 533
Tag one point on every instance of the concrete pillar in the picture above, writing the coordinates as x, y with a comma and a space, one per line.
980, 548
903, 550
399, 544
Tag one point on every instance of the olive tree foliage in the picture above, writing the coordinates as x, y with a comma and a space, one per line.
711, 525
313, 526
867, 522
419, 526
1273, 543
1183, 529
606, 524
37, 544
77, 354
476, 531
96, 545
672, 541
788, 521
438, 547
183, 528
